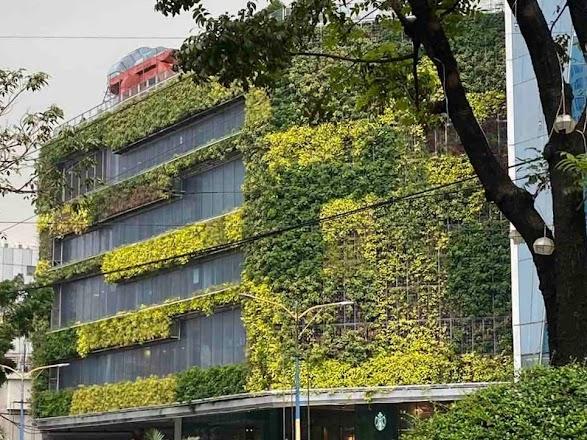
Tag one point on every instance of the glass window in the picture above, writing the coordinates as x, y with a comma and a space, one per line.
201, 343
92, 298
205, 195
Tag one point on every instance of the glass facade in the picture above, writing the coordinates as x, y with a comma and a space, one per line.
210, 191
106, 167
202, 341
578, 79
578, 82
92, 298
214, 126
203, 195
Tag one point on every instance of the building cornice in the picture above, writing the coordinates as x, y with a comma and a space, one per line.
266, 400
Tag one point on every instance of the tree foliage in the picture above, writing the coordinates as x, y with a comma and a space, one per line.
20, 306
21, 138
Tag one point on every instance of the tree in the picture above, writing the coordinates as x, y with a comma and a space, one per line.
20, 306
254, 47
21, 139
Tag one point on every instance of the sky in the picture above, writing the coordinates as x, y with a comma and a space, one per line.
78, 66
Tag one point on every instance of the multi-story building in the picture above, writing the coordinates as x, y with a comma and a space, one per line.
15, 261
527, 134
186, 228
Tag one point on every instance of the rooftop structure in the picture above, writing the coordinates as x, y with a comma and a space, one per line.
140, 72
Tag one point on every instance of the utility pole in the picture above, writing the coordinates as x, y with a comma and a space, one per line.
298, 318
22, 375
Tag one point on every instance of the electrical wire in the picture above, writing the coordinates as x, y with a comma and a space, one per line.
31, 428
88, 37
15, 224
274, 232
212, 250
26, 221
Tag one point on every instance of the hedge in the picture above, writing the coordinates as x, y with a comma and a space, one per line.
195, 383
546, 403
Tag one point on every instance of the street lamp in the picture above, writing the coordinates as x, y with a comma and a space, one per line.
297, 317
22, 376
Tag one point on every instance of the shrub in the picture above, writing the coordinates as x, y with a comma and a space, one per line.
52, 403
110, 397
199, 383
546, 403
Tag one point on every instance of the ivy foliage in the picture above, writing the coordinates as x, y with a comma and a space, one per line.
47, 275
192, 384
51, 403
391, 260
160, 252
199, 383
150, 391
477, 280
546, 403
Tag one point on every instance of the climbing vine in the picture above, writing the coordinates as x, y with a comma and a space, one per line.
391, 260
160, 252
192, 384
311, 155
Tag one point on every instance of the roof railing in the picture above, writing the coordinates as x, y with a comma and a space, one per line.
112, 103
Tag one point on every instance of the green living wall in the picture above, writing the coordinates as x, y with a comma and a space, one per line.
411, 263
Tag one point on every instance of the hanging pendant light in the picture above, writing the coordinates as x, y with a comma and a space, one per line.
564, 124
515, 236
544, 245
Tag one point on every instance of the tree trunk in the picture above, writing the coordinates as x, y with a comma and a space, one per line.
563, 275
570, 258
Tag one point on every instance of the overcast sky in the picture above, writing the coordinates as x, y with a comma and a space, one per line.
78, 66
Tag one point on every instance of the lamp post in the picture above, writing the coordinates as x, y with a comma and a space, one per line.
298, 317
22, 376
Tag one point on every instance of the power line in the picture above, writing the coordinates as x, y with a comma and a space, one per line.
427, 192
15, 224
89, 37
26, 221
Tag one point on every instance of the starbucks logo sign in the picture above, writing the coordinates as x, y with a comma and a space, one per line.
380, 421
